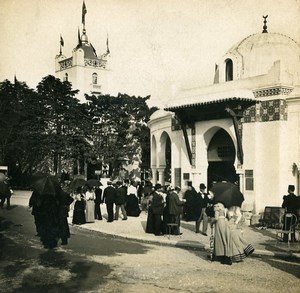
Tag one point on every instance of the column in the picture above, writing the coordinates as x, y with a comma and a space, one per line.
154, 177
240, 173
161, 174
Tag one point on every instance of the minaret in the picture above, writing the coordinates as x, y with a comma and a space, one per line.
84, 69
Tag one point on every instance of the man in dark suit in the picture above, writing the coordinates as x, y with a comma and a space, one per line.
291, 204
157, 208
98, 201
188, 208
175, 206
120, 200
200, 205
109, 196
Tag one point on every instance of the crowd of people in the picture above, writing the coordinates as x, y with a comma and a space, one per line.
165, 207
168, 205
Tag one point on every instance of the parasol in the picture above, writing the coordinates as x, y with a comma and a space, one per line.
228, 194
76, 183
93, 182
46, 184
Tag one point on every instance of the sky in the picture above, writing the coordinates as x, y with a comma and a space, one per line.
157, 46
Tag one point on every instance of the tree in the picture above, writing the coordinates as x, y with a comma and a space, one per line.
18, 127
120, 129
68, 125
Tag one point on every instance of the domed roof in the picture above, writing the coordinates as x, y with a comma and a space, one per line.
256, 41
160, 113
256, 54
88, 51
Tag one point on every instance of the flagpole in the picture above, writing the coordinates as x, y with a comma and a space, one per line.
60, 49
84, 11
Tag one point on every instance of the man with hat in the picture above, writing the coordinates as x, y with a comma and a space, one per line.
175, 206
188, 208
200, 205
157, 205
291, 203
109, 195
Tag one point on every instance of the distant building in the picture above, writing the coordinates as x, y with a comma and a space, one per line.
244, 128
85, 69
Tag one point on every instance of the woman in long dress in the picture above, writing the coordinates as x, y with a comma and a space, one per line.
150, 218
90, 205
79, 209
223, 244
241, 249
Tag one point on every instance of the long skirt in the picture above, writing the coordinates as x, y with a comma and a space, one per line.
241, 249
78, 213
223, 244
64, 230
90, 211
150, 221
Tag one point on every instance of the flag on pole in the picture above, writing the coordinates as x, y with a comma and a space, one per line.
84, 11
61, 41
79, 39
107, 48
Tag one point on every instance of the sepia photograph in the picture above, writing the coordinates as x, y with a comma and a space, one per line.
150, 146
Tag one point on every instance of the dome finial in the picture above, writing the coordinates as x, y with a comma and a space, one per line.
265, 24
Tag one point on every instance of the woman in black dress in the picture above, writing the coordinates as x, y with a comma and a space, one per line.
79, 210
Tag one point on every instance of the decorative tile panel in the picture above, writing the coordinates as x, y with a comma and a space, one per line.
193, 146
265, 111
273, 91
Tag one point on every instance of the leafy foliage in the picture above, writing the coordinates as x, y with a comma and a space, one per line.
43, 128
120, 130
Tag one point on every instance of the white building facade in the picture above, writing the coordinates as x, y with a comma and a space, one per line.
87, 71
244, 128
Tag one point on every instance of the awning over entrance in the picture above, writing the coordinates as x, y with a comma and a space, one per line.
211, 110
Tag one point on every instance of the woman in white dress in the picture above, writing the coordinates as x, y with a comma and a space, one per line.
241, 249
90, 205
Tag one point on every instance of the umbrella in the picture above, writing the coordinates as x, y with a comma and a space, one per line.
46, 184
93, 182
2, 177
76, 183
228, 194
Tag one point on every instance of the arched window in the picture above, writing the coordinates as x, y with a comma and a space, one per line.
66, 77
95, 78
229, 70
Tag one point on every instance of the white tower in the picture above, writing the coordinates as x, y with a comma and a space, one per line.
86, 71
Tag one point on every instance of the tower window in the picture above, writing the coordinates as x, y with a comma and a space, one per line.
66, 77
95, 78
229, 70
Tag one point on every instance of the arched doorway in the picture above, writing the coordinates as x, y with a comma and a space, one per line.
166, 156
168, 160
221, 156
